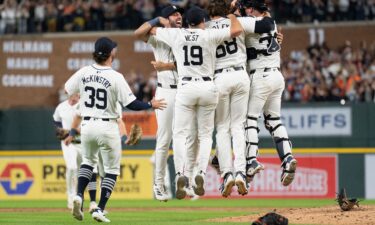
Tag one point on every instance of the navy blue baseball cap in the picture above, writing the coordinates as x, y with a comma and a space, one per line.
169, 10
195, 16
104, 46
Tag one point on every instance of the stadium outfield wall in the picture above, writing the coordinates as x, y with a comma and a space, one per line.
334, 144
34, 67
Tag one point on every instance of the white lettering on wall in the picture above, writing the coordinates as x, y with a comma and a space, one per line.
25, 80
27, 47
82, 47
27, 63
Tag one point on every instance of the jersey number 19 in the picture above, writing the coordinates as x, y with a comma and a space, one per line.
196, 54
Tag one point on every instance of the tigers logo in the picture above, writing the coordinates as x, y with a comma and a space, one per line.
16, 179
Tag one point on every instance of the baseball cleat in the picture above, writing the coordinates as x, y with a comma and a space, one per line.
160, 193
99, 216
181, 183
253, 167
241, 183
93, 206
289, 166
199, 183
215, 164
226, 186
77, 208
190, 192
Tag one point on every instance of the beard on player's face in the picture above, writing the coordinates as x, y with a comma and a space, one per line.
175, 20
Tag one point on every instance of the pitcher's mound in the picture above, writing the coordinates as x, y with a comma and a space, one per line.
329, 215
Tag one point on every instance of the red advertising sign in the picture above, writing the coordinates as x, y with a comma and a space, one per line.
316, 177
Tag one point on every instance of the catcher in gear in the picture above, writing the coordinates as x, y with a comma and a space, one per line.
345, 203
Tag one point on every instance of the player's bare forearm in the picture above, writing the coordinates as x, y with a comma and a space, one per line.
75, 128
235, 26
162, 66
122, 127
76, 122
142, 32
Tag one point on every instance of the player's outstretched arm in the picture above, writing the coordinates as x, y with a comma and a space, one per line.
235, 26
137, 105
162, 66
143, 32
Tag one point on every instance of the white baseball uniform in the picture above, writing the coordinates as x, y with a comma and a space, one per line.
267, 85
167, 89
100, 88
233, 84
72, 153
197, 95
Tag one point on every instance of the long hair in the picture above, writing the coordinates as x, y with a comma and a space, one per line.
218, 8
100, 58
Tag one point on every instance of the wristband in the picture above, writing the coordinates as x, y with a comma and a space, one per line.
150, 104
124, 138
73, 132
154, 21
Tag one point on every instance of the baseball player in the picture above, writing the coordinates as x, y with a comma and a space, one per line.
233, 84
197, 95
267, 85
97, 169
100, 88
171, 16
63, 117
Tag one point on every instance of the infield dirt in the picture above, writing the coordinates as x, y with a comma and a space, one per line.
329, 215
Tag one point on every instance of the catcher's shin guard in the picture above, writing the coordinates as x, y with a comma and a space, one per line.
252, 165
251, 130
279, 135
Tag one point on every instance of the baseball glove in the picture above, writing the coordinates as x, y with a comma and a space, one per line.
271, 218
135, 134
345, 203
61, 133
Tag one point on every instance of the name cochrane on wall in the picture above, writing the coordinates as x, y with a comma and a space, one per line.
18, 80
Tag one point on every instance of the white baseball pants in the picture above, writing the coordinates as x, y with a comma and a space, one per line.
164, 133
195, 103
230, 116
73, 157
104, 136
265, 96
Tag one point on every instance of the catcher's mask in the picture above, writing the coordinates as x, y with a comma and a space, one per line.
259, 5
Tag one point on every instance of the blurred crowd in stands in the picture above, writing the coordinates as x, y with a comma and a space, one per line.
35, 16
316, 74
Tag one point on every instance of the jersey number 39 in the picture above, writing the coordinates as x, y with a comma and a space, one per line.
97, 98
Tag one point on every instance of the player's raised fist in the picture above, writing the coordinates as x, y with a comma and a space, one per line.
164, 22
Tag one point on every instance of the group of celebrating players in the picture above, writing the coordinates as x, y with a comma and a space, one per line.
222, 71
223, 74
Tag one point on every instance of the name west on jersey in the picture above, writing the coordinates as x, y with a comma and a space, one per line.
98, 79
192, 37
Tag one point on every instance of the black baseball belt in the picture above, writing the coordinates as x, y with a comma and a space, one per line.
266, 69
171, 86
104, 119
197, 78
235, 68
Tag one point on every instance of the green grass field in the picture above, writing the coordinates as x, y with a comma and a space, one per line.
149, 212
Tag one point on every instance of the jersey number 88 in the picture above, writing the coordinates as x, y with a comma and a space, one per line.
229, 47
